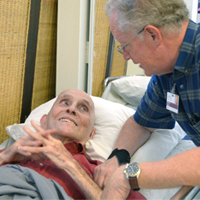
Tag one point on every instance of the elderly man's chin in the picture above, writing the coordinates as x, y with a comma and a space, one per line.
64, 134
64, 128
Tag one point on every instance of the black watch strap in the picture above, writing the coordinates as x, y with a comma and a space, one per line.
122, 155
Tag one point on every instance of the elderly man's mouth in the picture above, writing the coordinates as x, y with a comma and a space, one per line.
67, 120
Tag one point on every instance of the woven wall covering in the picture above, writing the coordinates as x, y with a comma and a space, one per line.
14, 22
15, 36
101, 44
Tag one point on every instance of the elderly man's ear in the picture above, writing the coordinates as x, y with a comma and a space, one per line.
43, 121
92, 133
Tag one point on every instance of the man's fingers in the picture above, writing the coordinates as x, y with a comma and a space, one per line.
29, 141
99, 176
41, 130
103, 172
36, 127
22, 152
31, 149
42, 133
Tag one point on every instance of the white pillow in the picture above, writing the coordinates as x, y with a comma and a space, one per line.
109, 119
127, 90
16, 130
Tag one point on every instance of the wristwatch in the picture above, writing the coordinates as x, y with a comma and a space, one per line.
132, 172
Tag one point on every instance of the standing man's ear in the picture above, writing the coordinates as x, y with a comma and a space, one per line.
154, 34
43, 121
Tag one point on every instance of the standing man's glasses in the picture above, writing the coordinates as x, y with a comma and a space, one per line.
120, 48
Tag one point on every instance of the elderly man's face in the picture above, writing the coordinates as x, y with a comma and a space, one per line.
72, 115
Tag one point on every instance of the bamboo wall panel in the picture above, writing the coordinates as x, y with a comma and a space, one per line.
45, 66
14, 19
101, 43
118, 64
14, 33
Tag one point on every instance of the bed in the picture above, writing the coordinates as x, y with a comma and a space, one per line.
118, 102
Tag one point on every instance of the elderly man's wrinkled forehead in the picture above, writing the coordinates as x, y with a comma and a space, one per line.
78, 95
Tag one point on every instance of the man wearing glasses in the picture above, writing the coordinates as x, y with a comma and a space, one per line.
158, 35
120, 48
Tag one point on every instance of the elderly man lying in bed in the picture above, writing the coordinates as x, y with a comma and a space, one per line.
56, 151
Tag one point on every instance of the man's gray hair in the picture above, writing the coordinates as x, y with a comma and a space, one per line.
133, 15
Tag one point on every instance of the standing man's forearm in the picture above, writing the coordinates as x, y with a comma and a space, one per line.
162, 174
132, 136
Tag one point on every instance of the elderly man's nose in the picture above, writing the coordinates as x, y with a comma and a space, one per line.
71, 111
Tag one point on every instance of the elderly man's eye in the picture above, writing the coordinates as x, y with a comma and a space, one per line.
65, 102
84, 108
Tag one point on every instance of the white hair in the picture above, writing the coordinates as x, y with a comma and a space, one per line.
133, 15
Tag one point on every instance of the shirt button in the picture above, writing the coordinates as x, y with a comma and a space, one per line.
182, 86
41, 164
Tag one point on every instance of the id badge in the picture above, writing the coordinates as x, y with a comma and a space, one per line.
172, 102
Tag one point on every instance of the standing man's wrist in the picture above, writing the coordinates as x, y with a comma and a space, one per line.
122, 155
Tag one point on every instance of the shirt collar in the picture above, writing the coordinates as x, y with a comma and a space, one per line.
74, 147
187, 52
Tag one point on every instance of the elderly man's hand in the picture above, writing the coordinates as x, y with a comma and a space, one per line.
15, 153
50, 147
103, 171
117, 186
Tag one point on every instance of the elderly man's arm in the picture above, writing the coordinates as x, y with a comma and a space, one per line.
57, 153
131, 137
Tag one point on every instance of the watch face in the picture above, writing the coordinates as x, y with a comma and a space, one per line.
132, 170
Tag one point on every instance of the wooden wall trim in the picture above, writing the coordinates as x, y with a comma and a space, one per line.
110, 55
30, 58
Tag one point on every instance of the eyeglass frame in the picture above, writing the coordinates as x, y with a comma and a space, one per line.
120, 48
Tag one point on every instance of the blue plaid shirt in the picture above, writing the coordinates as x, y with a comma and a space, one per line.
152, 111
